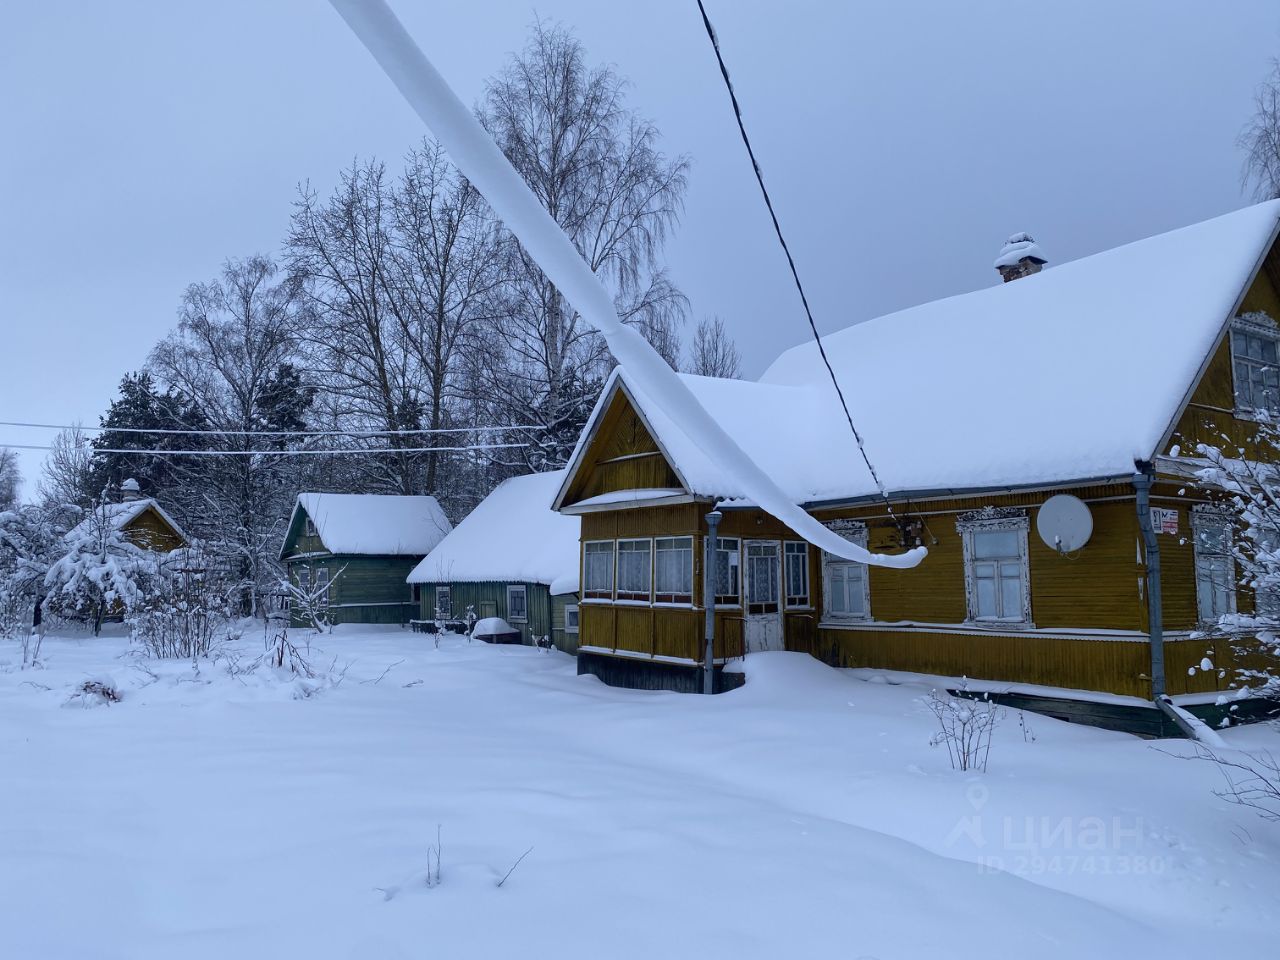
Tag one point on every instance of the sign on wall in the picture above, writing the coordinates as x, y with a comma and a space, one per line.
1164, 520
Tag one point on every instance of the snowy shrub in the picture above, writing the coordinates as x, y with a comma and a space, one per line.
1248, 493
100, 573
94, 693
965, 727
31, 538
1252, 779
187, 611
309, 597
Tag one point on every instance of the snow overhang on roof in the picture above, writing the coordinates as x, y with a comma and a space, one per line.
372, 524
512, 536
1071, 374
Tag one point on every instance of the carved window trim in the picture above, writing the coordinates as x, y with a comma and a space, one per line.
995, 519
1215, 518
1258, 324
855, 531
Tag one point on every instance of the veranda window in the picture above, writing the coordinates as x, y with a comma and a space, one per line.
673, 570
597, 567
728, 572
797, 573
444, 602
635, 569
322, 585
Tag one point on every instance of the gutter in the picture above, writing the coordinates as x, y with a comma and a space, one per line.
1155, 610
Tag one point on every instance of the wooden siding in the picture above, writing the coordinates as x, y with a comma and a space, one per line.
151, 531
1210, 412
296, 542
479, 594
621, 434
364, 589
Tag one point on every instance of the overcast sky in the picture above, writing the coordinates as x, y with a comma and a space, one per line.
142, 143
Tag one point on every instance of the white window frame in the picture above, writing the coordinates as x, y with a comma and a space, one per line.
600, 596
995, 520
796, 548
727, 605
1255, 324
572, 618
309, 527
632, 596
522, 591
682, 599
855, 531
1210, 518
444, 610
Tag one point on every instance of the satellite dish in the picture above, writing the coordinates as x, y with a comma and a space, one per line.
1064, 523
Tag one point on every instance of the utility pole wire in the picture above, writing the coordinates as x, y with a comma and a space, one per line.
264, 433
285, 453
777, 228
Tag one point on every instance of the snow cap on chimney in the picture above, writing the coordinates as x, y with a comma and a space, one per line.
129, 491
1019, 257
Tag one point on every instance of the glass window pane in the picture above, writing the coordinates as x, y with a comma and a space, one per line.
996, 543
986, 597
1011, 597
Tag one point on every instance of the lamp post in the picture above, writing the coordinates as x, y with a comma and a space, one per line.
709, 602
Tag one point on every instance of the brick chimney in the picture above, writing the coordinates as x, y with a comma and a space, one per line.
130, 491
1019, 257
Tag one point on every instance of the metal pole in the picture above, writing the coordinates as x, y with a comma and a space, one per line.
709, 602
1155, 616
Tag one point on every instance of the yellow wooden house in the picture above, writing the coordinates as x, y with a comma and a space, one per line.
1089, 382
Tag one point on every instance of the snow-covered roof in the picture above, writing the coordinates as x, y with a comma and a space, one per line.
374, 524
120, 515
1070, 374
1017, 248
512, 536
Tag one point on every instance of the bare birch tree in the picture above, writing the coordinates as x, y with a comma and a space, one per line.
342, 251
445, 277
65, 476
596, 167
233, 354
1260, 139
10, 479
713, 352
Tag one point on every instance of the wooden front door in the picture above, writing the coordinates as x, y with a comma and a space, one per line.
763, 563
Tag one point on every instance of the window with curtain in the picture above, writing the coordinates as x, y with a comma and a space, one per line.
673, 570
797, 573
597, 570
635, 570
728, 572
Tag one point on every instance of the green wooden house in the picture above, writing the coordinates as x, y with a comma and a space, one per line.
362, 547
512, 557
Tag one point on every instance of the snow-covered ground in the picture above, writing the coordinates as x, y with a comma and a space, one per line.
804, 815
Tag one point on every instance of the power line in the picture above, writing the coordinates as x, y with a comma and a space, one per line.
284, 453
777, 228
265, 433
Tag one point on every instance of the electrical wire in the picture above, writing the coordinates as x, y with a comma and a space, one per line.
264, 433
777, 228
283, 453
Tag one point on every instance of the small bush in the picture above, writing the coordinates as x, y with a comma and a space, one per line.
965, 728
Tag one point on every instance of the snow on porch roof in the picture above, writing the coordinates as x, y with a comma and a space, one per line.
373, 524
512, 536
1070, 374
